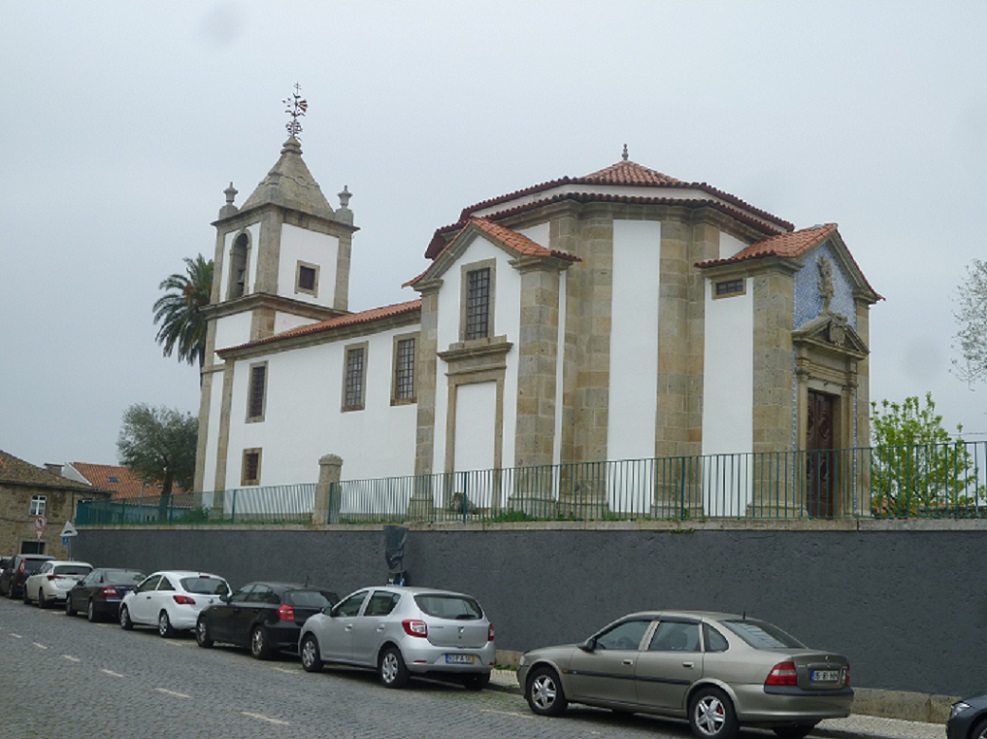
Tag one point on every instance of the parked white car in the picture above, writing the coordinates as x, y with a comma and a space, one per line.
171, 600
53, 580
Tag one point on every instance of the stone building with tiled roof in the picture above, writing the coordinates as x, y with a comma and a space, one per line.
624, 314
35, 503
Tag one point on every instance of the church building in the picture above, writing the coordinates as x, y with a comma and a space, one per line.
619, 315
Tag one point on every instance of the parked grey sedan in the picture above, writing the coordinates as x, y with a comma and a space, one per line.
718, 670
400, 631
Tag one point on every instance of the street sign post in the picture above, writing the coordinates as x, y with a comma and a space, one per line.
39, 526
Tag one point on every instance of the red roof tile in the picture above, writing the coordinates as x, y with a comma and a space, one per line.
15, 471
629, 173
122, 481
791, 244
350, 319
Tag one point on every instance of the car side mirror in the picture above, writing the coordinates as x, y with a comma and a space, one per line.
589, 645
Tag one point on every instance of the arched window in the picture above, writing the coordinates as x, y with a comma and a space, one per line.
238, 266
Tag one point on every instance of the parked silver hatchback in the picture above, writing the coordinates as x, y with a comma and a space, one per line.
718, 670
400, 631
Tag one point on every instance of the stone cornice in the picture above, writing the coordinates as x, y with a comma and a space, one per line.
255, 301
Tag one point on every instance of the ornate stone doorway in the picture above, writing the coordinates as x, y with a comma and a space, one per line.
821, 466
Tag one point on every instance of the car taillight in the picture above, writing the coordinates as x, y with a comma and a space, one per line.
782, 673
286, 612
109, 590
490, 633
54, 577
846, 674
414, 627
183, 600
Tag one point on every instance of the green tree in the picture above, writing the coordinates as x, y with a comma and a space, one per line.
971, 315
918, 467
179, 311
159, 445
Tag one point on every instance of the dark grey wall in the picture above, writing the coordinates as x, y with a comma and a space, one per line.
908, 608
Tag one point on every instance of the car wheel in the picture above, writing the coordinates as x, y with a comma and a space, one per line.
711, 715
980, 730
42, 603
391, 668
165, 629
794, 731
202, 637
476, 680
69, 610
544, 692
25, 598
125, 623
260, 647
91, 613
311, 660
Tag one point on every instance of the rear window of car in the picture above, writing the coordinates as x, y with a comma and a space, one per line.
762, 635
307, 599
204, 585
449, 606
32, 565
72, 569
123, 577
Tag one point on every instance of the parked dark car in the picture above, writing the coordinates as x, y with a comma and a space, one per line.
968, 718
99, 593
20, 568
265, 616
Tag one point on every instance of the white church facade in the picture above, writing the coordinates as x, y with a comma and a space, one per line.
622, 315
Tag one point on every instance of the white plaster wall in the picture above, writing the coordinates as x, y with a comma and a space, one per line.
287, 321
538, 233
299, 244
212, 433
303, 420
507, 321
232, 330
475, 441
634, 340
730, 245
728, 393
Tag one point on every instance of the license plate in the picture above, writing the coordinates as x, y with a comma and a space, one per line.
459, 659
824, 676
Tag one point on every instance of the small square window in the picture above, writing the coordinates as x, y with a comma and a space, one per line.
307, 278
39, 504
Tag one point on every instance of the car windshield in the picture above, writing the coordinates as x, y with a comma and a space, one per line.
204, 585
449, 606
72, 569
123, 577
307, 599
762, 635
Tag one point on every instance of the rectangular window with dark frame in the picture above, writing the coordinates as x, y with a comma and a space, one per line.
729, 287
478, 304
356, 360
404, 370
250, 474
306, 278
255, 398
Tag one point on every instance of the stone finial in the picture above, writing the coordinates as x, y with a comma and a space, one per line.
624, 154
296, 108
344, 197
229, 209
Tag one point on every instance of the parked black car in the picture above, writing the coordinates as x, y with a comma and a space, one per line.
20, 568
264, 616
99, 593
968, 718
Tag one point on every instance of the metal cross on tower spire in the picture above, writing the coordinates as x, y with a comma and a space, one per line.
296, 109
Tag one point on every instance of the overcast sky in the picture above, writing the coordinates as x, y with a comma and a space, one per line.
121, 123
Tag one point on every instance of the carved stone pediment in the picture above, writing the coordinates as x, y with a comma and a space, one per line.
831, 331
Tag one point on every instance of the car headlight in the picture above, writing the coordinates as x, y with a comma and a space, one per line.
957, 708
520, 662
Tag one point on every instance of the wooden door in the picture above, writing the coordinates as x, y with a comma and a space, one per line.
820, 468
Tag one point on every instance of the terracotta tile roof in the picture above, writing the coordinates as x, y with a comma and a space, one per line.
791, 244
15, 471
350, 319
123, 482
516, 242
627, 172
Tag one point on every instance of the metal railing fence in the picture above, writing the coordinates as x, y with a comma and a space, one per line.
916, 481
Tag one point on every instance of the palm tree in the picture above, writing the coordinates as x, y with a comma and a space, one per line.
179, 311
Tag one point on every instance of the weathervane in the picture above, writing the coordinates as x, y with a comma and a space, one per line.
296, 109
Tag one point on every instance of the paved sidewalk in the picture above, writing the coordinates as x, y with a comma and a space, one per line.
854, 726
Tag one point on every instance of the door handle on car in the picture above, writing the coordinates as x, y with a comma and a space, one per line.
628, 662
690, 665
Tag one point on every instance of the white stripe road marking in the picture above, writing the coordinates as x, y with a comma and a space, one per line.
39, 646
516, 714
262, 717
287, 670
172, 693
70, 658
111, 673
16, 636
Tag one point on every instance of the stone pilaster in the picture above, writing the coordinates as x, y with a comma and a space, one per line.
328, 493
421, 504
